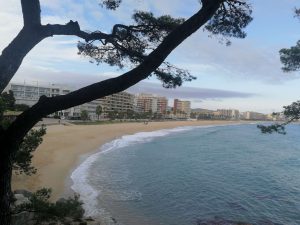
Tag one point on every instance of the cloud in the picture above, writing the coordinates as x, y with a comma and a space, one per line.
243, 60
45, 76
11, 21
192, 93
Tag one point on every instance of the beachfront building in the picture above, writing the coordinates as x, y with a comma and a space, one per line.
119, 102
89, 107
231, 114
202, 114
254, 116
30, 93
182, 108
151, 103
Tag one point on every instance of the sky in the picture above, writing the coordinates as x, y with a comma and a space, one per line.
246, 75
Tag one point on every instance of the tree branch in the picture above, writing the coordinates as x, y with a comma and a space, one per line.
73, 28
46, 106
13, 55
31, 13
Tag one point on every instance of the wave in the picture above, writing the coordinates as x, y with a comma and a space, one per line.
81, 185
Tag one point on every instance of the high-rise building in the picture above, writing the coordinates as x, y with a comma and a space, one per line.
151, 103
182, 107
119, 102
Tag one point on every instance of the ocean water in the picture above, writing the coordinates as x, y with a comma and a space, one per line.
187, 174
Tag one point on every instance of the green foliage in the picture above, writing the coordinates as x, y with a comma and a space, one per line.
23, 157
129, 45
110, 4
113, 115
21, 107
291, 114
2, 108
155, 29
230, 19
9, 100
297, 12
44, 210
84, 115
98, 110
290, 58
274, 128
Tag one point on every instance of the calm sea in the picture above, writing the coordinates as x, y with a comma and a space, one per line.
183, 175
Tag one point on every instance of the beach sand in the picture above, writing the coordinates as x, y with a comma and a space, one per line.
63, 145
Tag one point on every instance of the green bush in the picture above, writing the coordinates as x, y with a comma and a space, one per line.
44, 210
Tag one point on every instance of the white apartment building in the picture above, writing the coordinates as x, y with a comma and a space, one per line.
29, 94
232, 114
254, 116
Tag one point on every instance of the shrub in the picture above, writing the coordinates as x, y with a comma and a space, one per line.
44, 210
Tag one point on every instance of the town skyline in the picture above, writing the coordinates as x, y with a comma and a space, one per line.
29, 93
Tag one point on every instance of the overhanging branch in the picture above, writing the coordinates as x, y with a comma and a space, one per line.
46, 106
73, 28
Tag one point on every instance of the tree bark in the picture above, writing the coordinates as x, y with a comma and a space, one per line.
5, 182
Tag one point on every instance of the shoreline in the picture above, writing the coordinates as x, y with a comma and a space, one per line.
65, 147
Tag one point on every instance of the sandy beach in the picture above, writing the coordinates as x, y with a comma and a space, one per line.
63, 145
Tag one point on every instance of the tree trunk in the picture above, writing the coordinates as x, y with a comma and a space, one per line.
5, 184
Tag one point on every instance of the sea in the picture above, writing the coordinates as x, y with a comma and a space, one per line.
193, 175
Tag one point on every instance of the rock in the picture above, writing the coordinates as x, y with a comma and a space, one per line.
20, 199
67, 221
89, 219
26, 193
23, 218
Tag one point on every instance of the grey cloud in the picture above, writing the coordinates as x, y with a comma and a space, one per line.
77, 80
192, 93
47, 75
